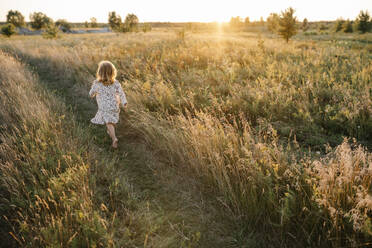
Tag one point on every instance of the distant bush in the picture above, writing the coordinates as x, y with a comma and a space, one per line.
236, 22
305, 25
273, 22
51, 31
63, 25
114, 21
8, 29
131, 22
93, 22
363, 22
146, 27
311, 33
16, 18
347, 27
39, 20
323, 27
246, 20
287, 24
338, 26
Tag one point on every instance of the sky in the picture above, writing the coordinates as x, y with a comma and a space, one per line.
185, 10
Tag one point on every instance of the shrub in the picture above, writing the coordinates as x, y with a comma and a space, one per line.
363, 22
63, 25
131, 22
16, 18
51, 31
322, 27
287, 24
114, 21
273, 22
236, 22
39, 20
146, 27
305, 25
93, 22
8, 29
347, 27
246, 21
181, 34
338, 26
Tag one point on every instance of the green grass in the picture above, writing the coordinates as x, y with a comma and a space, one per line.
245, 118
113, 199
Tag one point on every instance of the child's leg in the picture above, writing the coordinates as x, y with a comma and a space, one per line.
111, 132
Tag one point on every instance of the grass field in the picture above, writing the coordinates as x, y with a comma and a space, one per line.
230, 140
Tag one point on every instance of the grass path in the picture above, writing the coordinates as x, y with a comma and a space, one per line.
172, 209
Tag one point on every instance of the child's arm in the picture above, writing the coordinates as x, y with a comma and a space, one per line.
93, 90
123, 98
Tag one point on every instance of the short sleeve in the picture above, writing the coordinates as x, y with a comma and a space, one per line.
119, 90
94, 89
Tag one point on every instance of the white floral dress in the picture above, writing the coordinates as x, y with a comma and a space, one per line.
108, 99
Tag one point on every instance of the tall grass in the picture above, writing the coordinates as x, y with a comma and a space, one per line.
58, 189
229, 108
43, 171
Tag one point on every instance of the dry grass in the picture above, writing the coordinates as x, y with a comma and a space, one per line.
228, 109
44, 170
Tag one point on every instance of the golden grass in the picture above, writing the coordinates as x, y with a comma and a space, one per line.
44, 172
229, 108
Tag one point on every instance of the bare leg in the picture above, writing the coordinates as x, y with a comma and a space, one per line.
111, 132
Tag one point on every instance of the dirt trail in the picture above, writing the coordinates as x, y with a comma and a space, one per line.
181, 213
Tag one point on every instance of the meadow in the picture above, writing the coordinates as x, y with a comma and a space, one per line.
276, 138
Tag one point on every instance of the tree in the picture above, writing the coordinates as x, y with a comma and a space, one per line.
262, 21
339, 24
16, 18
8, 29
114, 21
273, 22
363, 22
305, 25
246, 20
63, 25
51, 31
235, 22
86, 24
131, 22
93, 22
39, 20
322, 27
347, 27
287, 24
146, 27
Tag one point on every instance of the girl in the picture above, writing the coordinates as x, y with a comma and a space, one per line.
109, 96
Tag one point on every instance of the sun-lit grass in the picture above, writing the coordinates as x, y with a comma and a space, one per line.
58, 188
250, 116
44, 171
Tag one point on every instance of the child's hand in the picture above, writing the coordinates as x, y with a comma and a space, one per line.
124, 106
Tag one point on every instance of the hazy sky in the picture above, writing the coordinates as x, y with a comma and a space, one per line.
185, 10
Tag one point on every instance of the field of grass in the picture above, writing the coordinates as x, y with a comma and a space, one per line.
276, 137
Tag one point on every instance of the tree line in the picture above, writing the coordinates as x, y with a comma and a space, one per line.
130, 24
285, 24
40, 21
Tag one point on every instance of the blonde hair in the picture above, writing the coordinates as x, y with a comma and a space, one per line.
106, 72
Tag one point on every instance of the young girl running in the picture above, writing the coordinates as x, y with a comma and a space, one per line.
109, 96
